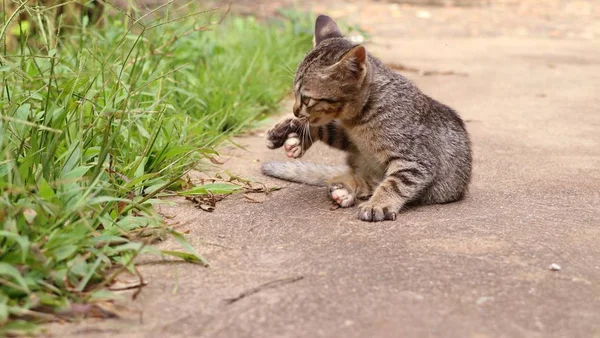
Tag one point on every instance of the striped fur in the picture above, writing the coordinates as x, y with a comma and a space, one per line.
403, 146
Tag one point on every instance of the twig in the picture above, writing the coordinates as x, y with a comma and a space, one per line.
421, 72
217, 244
141, 284
265, 286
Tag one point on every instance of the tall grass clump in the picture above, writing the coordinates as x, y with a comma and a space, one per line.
97, 121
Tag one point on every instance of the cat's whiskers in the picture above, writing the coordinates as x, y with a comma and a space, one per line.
307, 128
302, 137
304, 132
289, 70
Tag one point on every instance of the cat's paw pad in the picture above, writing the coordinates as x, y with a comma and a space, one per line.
370, 212
340, 194
293, 146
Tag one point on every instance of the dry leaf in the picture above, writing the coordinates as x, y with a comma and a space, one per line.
206, 207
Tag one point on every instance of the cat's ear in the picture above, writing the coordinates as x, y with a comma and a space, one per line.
354, 62
325, 28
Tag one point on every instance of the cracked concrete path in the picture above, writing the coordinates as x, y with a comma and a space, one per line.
477, 268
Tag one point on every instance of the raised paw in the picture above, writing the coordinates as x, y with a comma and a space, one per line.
293, 146
278, 135
341, 195
373, 213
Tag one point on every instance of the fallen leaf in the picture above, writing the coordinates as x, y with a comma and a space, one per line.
206, 207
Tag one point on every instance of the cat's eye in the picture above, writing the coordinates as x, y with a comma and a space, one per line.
305, 100
328, 100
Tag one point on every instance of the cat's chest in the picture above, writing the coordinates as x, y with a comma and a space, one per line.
368, 142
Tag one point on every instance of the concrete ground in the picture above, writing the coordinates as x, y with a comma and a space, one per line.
291, 267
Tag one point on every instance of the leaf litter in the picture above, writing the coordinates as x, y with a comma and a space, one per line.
212, 190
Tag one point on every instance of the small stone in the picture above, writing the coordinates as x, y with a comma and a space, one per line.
483, 300
554, 267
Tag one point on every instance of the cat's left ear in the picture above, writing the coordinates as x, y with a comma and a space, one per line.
354, 62
325, 28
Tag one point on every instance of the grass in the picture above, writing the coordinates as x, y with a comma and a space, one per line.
96, 125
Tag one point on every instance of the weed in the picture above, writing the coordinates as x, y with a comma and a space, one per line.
96, 124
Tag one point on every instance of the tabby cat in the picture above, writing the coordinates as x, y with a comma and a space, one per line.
403, 146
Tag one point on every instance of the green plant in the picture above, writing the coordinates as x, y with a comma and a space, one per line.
96, 125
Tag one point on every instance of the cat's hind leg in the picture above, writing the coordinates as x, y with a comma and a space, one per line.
347, 188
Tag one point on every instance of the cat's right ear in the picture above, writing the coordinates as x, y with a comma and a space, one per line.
353, 63
325, 28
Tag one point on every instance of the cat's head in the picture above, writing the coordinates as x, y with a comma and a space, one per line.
331, 76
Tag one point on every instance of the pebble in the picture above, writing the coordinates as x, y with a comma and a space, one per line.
554, 267
483, 300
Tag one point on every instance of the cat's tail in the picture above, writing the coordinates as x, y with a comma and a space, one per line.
303, 172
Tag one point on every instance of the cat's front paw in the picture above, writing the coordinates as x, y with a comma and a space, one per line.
341, 195
278, 135
371, 212
293, 146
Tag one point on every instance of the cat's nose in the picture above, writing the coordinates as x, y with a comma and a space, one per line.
296, 110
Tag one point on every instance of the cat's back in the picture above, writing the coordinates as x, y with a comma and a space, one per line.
395, 93
405, 113
392, 91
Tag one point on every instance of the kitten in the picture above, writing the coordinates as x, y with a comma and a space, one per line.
403, 146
